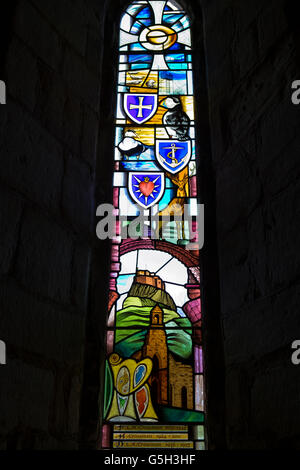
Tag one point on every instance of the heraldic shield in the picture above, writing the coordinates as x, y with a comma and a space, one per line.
173, 155
140, 107
146, 188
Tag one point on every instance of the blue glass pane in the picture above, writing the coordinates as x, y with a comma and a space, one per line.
181, 312
167, 197
173, 83
147, 155
169, 183
141, 58
144, 166
124, 283
177, 47
136, 47
171, 18
145, 13
175, 58
193, 150
178, 66
146, 21
134, 9
137, 28
173, 75
184, 23
140, 66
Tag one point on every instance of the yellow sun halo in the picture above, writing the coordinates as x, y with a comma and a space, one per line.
158, 37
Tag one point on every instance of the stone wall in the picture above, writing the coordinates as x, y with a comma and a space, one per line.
252, 59
180, 377
54, 173
48, 142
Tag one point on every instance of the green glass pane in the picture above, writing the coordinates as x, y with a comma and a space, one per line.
108, 388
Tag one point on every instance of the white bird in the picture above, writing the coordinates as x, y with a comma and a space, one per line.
151, 83
130, 147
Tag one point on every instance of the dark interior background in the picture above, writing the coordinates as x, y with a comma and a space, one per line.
59, 59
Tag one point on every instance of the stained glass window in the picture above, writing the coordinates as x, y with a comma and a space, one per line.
154, 387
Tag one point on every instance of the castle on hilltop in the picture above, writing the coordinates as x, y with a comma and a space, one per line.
171, 380
145, 277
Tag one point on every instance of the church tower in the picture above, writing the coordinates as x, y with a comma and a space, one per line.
155, 347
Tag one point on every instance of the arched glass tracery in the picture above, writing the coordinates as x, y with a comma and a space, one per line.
154, 372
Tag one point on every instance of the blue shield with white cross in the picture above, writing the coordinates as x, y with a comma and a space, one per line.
173, 155
140, 107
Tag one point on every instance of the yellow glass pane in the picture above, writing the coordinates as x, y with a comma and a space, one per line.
143, 134
146, 79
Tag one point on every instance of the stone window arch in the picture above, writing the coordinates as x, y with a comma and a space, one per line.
108, 129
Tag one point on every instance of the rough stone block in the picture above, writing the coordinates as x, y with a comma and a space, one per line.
283, 170
51, 94
257, 228
94, 50
69, 20
77, 194
26, 395
74, 405
218, 88
44, 257
10, 216
32, 160
237, 409
249, 15
22, 74
48, 332
72, 124
89, 138
80, 80
252, 98
283, 237
32, 28
235, 280
238, 192
234, 247
262, 328
275, 412
279, 126
271, 24
245, 53
81, 276
219, 37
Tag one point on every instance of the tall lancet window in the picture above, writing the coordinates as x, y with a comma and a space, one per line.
154, 394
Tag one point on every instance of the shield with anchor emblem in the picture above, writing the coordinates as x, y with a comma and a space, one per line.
173, 155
